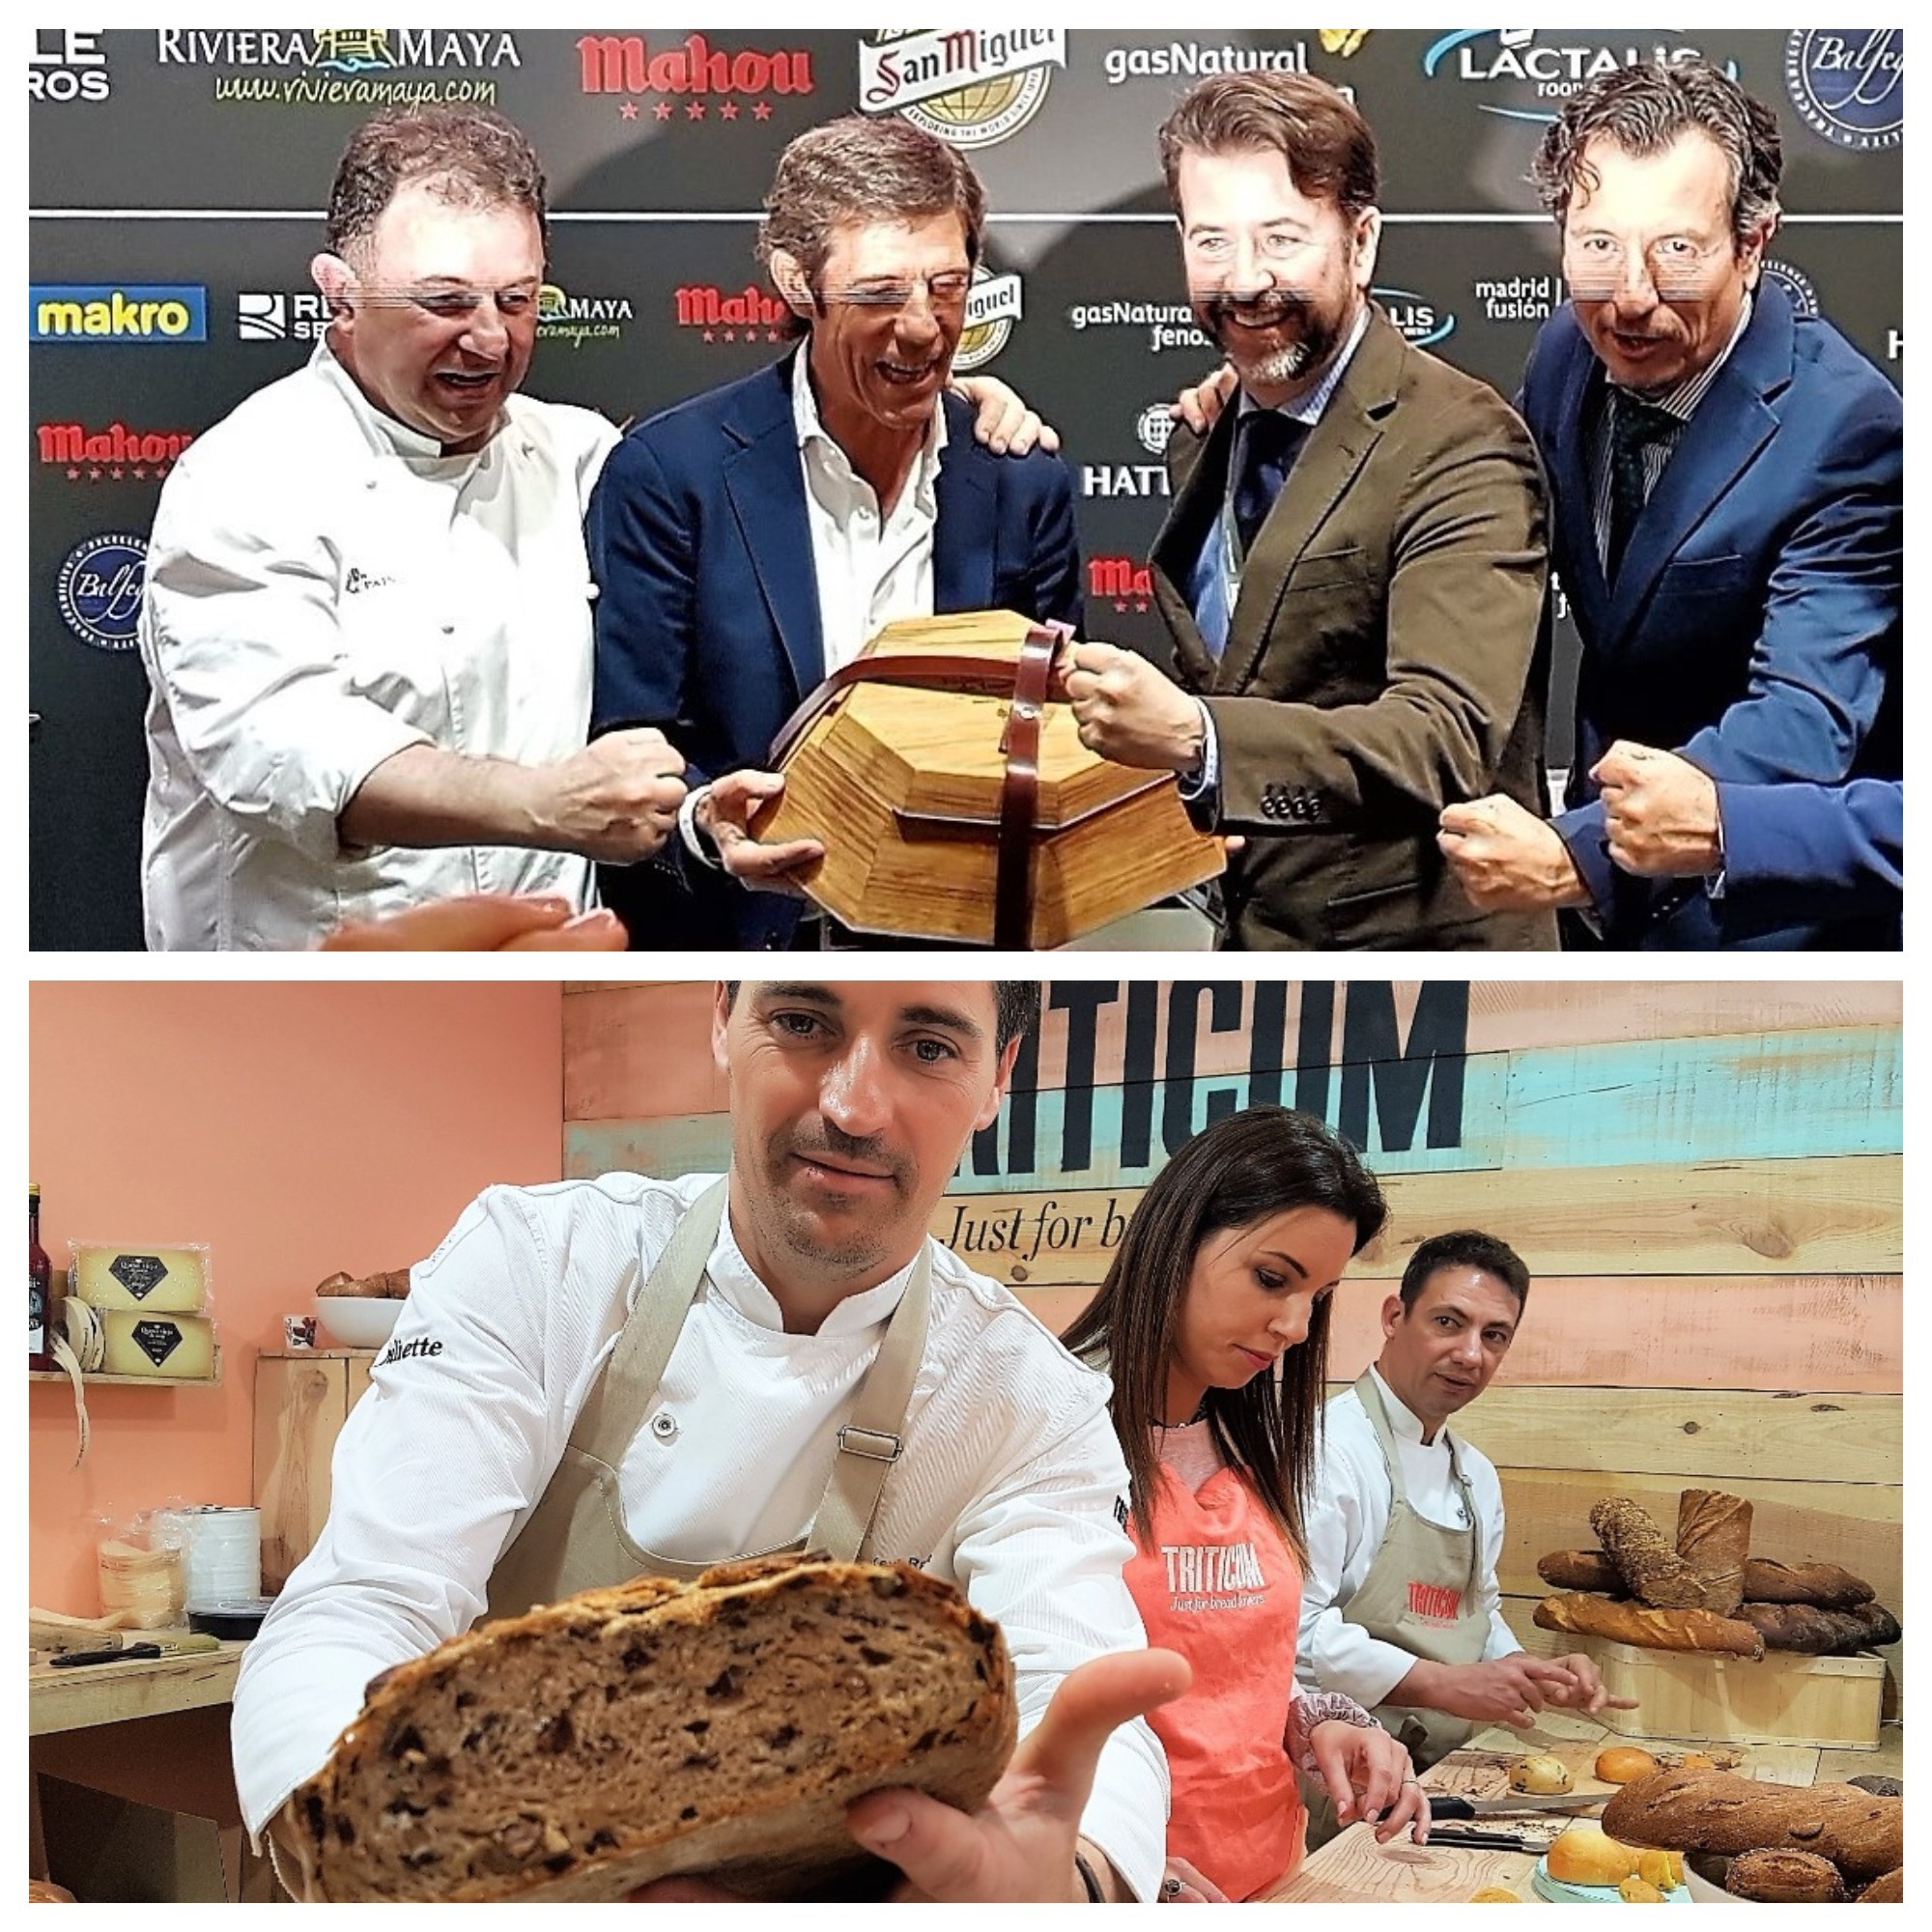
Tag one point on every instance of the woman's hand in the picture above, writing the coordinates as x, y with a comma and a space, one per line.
1184, 1886
1369, 1776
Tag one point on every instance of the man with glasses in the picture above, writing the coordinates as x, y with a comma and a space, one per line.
365, 623
749, 541
1727, 485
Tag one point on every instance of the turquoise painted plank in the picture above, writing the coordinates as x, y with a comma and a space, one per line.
688, 1144
1743, 1096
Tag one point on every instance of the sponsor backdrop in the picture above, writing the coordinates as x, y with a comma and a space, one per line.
177, 178
1705, 1180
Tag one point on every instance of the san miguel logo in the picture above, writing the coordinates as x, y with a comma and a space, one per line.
97, 455
747, 315
995, 303
692, 80
971, 86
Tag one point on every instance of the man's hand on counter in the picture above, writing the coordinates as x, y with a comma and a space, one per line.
1587, 1692
1019, 1847
1505, 1690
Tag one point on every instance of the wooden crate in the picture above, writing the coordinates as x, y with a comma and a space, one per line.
303, 1398
903, 786
1831, 1702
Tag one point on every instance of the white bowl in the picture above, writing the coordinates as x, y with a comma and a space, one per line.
357, 1320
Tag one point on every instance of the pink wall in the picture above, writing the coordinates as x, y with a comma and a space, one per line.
297, 1128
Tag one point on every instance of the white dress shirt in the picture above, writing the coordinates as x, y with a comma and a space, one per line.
1347, 1523
325, 589
1009, 1483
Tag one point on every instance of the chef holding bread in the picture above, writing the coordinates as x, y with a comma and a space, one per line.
628, 1387
1400, 1607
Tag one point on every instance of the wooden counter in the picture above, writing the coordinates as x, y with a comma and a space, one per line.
110, 1693
1353, 1869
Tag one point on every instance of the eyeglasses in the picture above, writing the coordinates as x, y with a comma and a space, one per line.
1598, 265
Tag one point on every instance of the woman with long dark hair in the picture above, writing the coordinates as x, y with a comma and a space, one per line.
1213, 1322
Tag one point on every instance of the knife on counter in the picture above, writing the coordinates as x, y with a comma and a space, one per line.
174, 1647
1452, 1804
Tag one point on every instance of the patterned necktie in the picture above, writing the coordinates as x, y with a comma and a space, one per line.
1636, 428
1270, 442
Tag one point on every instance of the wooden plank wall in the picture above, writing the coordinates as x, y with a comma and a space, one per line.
1705, 1179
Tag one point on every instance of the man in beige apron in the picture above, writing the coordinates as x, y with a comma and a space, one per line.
601, 1378
1400, 1607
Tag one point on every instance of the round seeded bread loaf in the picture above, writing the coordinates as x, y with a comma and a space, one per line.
626, 1734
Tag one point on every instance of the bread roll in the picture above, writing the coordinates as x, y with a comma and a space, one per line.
1650, 1566
1720, 1811
1621, 1763
1814, 1633
1587, 1855
1889, 1889
1714, 1537
592, 1746
1654, 1629
1785, 1878
1825, 1585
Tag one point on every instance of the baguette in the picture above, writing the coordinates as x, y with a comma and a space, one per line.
1582, 1615
1651, 1568
1823, 1584
1714, 1537
1718, 1811
589, 1747
1815, 1633
1581, 1569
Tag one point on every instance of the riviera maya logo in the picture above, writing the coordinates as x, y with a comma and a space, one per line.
1848, 84
971, 86
995, 305
1531, 68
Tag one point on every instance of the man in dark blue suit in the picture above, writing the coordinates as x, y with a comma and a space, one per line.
1727, 480
749, 542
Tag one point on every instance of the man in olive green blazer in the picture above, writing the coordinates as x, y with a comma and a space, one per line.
1353, 566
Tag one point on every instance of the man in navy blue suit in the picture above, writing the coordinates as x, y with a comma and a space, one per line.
749, 541
1727, 480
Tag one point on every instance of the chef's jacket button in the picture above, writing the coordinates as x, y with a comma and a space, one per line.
663, 1425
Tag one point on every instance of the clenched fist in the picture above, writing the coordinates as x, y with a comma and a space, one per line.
1129, 710
616, 800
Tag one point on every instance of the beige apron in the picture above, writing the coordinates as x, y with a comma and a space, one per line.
574, 1538
1423, 1592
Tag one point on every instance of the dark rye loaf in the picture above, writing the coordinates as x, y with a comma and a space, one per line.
592, 1746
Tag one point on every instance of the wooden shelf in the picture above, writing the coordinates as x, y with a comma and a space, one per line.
97, 1380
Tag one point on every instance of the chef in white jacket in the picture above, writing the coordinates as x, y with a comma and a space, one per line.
1401, 1607
748, 1335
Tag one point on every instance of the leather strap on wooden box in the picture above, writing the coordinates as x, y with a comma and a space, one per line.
1019, 784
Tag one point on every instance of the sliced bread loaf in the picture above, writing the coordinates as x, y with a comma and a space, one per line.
591, 1745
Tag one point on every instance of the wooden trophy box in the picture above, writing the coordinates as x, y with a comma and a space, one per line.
956, 803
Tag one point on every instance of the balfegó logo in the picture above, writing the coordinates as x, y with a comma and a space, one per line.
1795, 284
1848, 83
972, 86
99, 590
104, 312
995, 305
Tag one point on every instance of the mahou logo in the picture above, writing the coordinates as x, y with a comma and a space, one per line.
709, 83
971, 86
747, 315
1123, 582
110, 454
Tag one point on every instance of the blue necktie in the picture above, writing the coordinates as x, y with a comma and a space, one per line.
1270, 442
1636, 427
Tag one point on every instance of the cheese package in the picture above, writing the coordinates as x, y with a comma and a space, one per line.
155, 1280
180, 1346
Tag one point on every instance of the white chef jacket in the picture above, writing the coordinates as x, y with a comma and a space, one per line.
1008, 1485
325, 589
1345, 1526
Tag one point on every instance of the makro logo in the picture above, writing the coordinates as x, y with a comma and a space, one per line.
749, 315
66, 63
1123, 582
996, 303
1550, 70
1520, 297
1795, 284
562, 317
710, 83
1419, 319
281, 315
110, 454
99, 590
1189, 59
1168, 325
1848, 83
971, 86
104, 312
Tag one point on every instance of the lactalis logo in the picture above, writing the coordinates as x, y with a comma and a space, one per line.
1434, 1603
107, 312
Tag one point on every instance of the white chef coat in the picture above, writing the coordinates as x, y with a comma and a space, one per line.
325, 589
1008, 1485
1345, 1526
